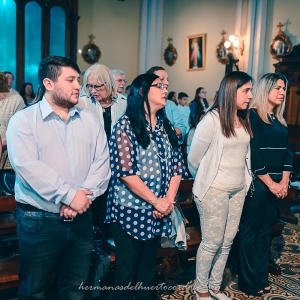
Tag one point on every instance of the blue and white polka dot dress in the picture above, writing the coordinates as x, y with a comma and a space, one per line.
155, 165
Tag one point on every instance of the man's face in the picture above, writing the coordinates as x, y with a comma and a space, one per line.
66, 90
120, 83
10, 80
183, 101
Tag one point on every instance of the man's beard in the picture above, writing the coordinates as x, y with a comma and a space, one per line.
62, 100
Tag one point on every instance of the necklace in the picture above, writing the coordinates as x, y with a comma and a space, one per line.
236, 122
272, 116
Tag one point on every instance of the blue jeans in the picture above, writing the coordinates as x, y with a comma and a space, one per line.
47, 242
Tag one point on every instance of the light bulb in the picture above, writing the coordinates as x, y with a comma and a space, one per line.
232, 38
79, 51
227, 44
236, 43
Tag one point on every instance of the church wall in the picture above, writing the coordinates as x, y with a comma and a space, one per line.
191, 17
115, 25
286, 12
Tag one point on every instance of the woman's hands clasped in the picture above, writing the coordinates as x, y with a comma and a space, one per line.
278, 189
163, 207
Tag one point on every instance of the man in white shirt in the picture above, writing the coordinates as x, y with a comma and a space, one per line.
60, 155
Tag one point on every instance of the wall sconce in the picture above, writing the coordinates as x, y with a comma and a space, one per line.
234, 41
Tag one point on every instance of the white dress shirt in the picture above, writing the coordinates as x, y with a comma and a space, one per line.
53, 159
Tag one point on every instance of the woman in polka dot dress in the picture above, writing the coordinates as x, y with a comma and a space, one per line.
147, 166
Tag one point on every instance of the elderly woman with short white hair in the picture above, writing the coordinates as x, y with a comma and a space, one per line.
101, 97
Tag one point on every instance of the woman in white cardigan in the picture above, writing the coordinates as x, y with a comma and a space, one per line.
218, 160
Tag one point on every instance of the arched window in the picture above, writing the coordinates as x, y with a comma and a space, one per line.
32, 30
8, 36
33, 42
57, 31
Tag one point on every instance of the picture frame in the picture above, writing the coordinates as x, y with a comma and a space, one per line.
195, 52
222, 54
170, 54
91, 53
281, 44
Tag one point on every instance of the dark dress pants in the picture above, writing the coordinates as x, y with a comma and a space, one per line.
99, 213
258, 217
48, 241
135, 266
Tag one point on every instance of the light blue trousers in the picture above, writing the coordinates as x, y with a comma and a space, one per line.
220, 214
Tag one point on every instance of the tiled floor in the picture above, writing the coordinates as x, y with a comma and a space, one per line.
286, 249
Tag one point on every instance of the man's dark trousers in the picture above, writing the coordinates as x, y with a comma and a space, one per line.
48, 241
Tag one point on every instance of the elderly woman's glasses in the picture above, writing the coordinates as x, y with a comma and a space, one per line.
160, 85
90, 87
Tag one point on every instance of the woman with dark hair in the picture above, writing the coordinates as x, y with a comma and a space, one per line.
218, 160
199, 104
271, 163
173, 97
147, 166
172, 111
27, 93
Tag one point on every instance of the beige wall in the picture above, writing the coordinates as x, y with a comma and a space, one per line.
115, 25
286, 11
190, 17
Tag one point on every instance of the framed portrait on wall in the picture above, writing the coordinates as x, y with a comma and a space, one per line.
195, 52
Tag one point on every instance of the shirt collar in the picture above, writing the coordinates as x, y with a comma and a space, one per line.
47, 110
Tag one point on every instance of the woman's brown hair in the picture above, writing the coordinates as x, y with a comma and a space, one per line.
225, 103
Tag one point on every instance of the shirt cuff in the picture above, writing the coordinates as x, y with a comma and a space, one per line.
287, 168
260, 172
69, 197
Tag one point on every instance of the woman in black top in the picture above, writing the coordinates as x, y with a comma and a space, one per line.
27, 93
271, 164
199, 105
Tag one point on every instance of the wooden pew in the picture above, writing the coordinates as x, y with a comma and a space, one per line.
9, 265
7, 218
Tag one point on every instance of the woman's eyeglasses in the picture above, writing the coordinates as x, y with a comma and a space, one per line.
160, 85
90, 87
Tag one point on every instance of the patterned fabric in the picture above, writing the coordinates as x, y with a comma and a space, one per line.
220, 214
155, 165
11, 104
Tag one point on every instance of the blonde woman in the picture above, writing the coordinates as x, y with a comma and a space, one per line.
271, 163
